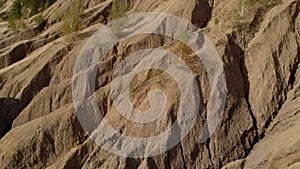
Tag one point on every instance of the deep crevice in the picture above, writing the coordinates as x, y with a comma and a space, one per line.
202, 8
209, 151
284, 92
183, 157
244, 73
10, 108
292, 78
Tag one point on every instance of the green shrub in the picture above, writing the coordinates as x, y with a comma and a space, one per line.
216, 21
25, 12
34, 7
22, 9
15, 14
39, 20
16, 11
12, 23
47, 4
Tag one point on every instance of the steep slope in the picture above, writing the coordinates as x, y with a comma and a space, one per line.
258, 129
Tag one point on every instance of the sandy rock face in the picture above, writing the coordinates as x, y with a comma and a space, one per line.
259, 127
274, 67
280, 146
16, 53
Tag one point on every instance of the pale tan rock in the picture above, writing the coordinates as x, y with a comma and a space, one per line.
14, 54
271, 59
280, 147
44, 140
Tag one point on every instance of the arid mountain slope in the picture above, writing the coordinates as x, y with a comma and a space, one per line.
259, 47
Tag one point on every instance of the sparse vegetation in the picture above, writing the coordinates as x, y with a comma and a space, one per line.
216, 21
15, 14
34, 7
16, 11
22, 9
39, 20
247, 8
72, 18
12, 23
47, 4
117, 11
244, 6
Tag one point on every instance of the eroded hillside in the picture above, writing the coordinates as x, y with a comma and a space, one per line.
257, 41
